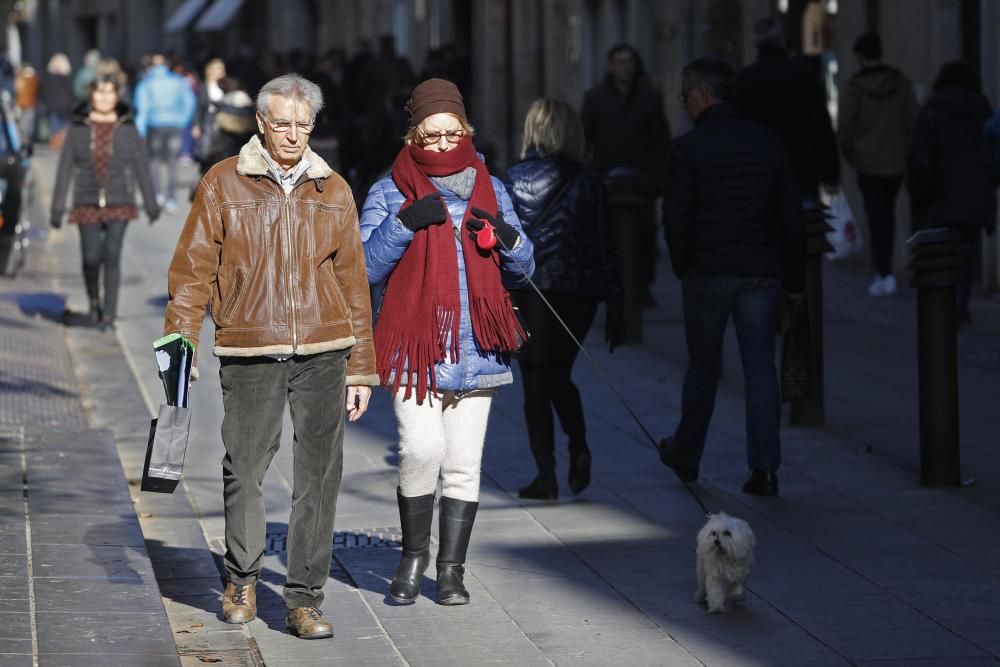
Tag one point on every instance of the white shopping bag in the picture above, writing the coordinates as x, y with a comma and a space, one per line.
845, 237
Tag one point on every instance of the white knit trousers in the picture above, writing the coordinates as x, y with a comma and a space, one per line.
443, 439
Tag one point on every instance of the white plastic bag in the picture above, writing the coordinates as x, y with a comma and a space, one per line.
845, 237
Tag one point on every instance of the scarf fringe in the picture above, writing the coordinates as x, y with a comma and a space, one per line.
494, 324
398, 354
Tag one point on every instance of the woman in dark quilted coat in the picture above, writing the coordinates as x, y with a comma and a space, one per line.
103, 156
561, 206
951, 180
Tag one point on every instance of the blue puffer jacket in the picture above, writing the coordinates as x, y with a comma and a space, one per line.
163, 99
385, 239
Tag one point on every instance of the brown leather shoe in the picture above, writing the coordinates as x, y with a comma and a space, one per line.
239, 603
308, 623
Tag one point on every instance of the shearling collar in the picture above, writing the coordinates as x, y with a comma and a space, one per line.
252, 163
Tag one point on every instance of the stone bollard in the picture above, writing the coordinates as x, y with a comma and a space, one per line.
626, 206
810, 411
938, 261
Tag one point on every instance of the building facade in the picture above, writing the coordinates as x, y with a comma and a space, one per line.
520, 50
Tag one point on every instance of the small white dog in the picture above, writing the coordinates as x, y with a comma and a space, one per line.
725, 558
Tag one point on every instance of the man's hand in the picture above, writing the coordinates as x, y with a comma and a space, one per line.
506, 233
357, 402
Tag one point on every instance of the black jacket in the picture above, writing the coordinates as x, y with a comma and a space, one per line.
573, 248
949, 168
129, 165
626, 130
732, 205
781, 95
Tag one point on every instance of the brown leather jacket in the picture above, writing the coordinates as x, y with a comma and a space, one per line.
282, 275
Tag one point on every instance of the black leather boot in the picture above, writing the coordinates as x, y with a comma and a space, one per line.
543, 487
579, 466
455, 528
415, 515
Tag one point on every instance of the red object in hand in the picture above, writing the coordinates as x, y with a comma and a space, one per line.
486, 238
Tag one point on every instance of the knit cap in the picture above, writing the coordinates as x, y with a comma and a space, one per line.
434, 96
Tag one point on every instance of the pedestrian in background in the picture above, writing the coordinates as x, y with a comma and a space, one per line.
304, 342
627, 137
102, 156
26, 95
165, 107
877, 110
445, 326
562, 207
210, 95
732, 214
85, 74
950, 177
57, 96
786, 97
234, 123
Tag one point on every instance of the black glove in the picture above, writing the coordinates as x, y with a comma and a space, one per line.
56, 219
424, 212
614, 328
789, 306
506, 234
153, 214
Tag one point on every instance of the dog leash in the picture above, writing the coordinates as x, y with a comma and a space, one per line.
600, 372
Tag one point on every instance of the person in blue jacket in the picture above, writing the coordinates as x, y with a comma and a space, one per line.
164, 109
442, 246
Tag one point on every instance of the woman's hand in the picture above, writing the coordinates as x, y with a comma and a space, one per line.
424, 212
506, 233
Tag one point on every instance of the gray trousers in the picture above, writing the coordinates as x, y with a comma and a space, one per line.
254, 391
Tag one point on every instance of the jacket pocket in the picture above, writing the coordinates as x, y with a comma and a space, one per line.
233, 297
327, 274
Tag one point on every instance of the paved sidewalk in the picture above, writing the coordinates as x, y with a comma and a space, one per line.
76, 583
857, 564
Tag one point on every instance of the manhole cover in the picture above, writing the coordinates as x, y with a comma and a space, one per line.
276, 543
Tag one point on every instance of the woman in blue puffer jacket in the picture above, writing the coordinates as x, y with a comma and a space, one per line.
562, 207
442, 245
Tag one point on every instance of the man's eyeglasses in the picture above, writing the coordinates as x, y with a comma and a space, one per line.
684, 95
282, 126
452, 136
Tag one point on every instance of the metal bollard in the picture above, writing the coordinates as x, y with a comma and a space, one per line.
811, 411
938, 261
626, 208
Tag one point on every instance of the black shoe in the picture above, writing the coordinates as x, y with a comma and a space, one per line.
579, 472
415, 515
543, 487
684, 471
761, 483
455, 529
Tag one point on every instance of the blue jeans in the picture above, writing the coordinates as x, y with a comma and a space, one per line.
709, 300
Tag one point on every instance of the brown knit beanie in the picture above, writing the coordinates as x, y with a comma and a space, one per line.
434, 96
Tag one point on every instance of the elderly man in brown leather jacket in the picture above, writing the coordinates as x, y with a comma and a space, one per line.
272, 244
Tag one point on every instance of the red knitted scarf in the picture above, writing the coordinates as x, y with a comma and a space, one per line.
418, 322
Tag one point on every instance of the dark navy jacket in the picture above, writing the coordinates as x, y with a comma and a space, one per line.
732, 205
573, 249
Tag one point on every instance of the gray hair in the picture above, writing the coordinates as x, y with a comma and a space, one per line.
294, 87
712, 74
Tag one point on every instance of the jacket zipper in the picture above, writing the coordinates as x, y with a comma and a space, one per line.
291, 272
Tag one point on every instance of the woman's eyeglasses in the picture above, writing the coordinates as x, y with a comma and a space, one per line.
452, 136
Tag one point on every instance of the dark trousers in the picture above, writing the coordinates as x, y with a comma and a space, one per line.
546, 367
709, 301
254, 391
879, 194
101, 248
164, 149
